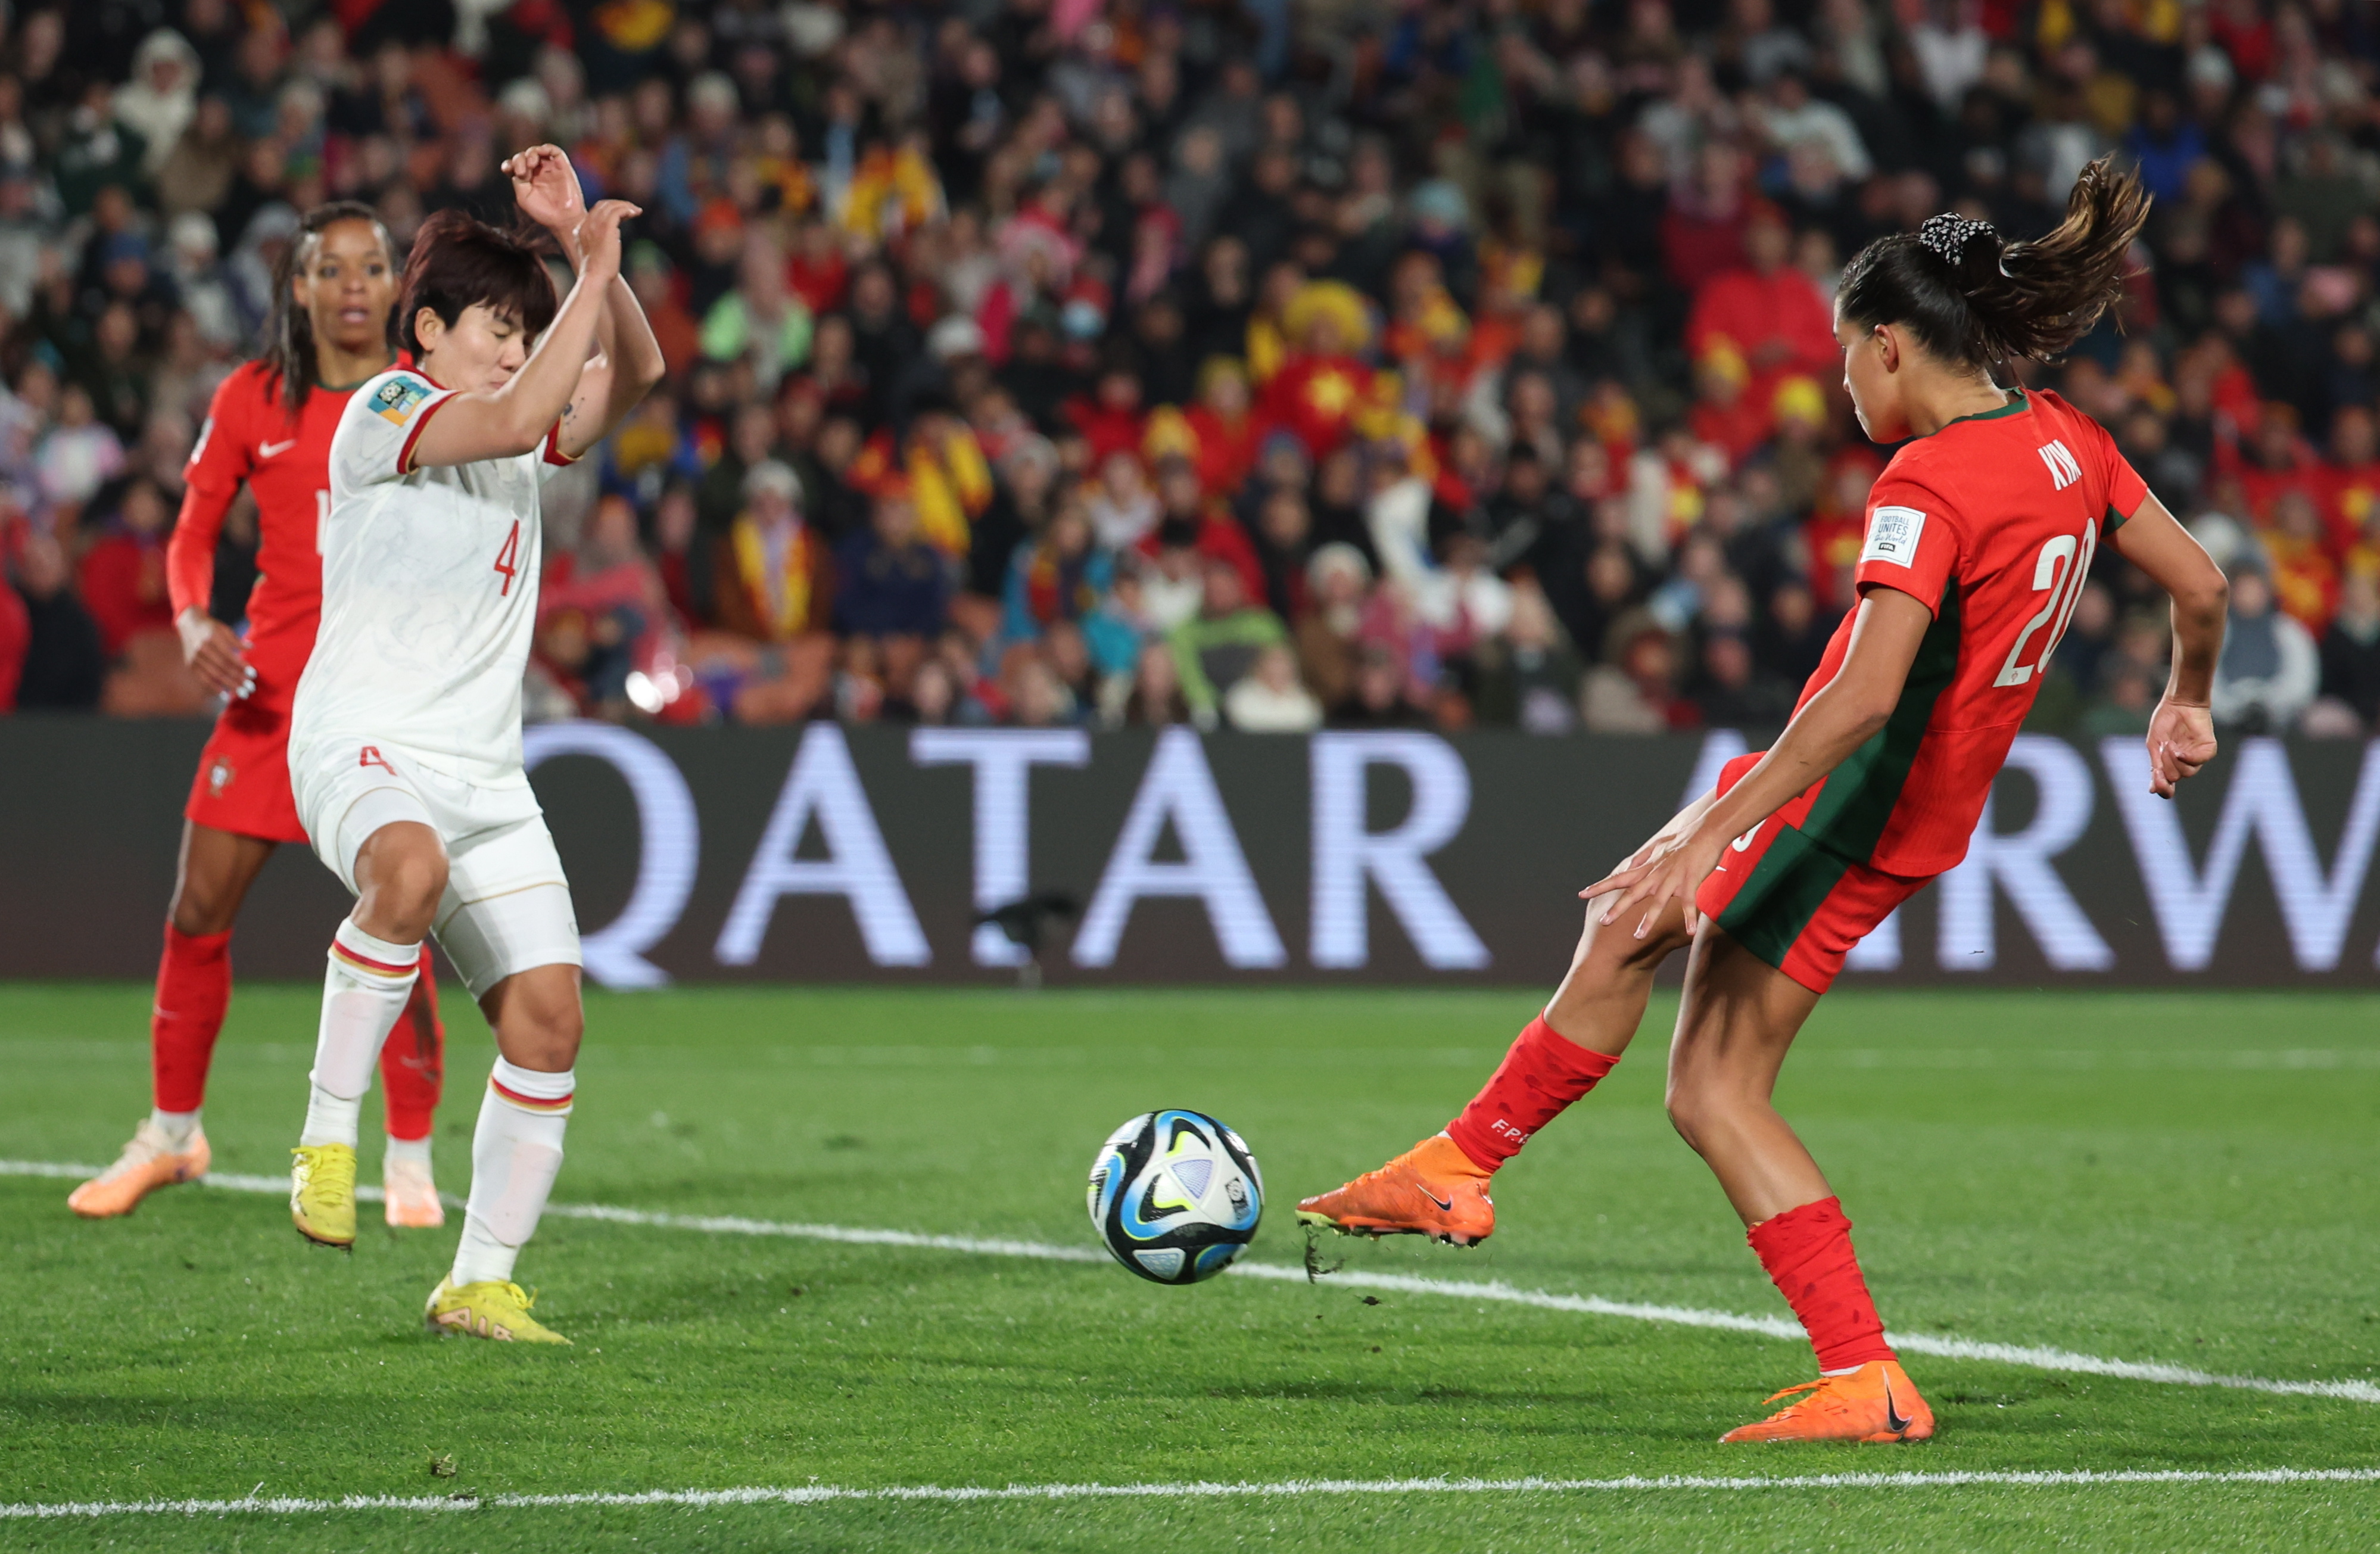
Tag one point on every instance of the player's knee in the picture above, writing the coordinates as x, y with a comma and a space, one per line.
1693, 1106
415, 885
404, 889
201, 907
1614, 946
1682, 1114
538, 1017
549, 1036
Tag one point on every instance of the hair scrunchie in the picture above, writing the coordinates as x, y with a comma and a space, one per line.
1947, 235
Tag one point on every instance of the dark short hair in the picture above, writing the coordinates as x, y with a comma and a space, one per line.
459, 262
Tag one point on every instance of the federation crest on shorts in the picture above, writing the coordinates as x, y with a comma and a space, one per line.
219, 777
394, 401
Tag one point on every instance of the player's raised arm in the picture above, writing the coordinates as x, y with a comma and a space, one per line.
509, 394
2182, 732
629, 359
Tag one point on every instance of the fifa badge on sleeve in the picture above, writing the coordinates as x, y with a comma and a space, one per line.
396, 399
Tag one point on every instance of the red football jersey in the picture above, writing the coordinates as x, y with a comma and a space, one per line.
249, 436
1991, 524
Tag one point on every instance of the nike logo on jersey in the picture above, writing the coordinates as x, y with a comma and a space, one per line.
266, 450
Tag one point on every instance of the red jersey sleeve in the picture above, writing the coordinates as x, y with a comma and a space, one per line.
219, 463
2126, 490
1911, 544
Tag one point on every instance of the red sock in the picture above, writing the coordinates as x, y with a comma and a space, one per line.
1542, 1074
413, 1061
193, 991
1808, 1252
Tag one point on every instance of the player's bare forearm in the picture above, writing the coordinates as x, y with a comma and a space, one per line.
616, 380
635, 350
2152, 540
1843, 715
2181, 730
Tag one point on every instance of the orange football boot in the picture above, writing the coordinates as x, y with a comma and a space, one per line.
1876, 1402
1432, 1189
149, 1163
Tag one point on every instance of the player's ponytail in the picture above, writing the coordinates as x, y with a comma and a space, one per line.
288, 330
1972, 298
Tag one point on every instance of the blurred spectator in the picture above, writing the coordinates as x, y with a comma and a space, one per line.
1268, 699
1220, 644
892, 589
2270, 670
64, 667
2350, 651
1637, 694
1378, 700
604, 615
1533, 683
123, 574
1496, 367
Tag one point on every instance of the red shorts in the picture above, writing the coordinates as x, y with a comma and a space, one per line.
1790, 899
243, 781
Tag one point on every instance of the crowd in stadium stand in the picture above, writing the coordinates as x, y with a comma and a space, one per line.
1261, 365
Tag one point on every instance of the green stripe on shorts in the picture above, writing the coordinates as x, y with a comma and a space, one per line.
1790, 882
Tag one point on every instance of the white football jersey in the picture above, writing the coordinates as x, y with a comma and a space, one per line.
429, 591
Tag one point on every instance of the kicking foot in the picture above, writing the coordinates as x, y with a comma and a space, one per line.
491, 1308
152, 1161
323, 1193
412, 1197
1432, 1189
1876, 1402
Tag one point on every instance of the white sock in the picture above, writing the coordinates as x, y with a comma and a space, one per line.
364, 992
177, 1127
514, 1154
414, 1150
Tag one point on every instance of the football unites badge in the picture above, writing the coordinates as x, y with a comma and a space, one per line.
394, 400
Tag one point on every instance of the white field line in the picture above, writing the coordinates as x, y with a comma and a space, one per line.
2029, 1356
820, 1494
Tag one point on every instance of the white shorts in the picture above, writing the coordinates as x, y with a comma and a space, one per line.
508, 904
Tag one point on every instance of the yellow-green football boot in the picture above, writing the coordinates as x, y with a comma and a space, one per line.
491, 1308
323, 1193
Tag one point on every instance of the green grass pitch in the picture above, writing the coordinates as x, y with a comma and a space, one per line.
2188, 1179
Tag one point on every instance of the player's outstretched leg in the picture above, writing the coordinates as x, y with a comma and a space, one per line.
412, 1075
193, 994
1739, 1018
515, 1155
1439, 1188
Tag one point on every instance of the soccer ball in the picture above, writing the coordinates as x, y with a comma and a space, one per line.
1175, 1196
